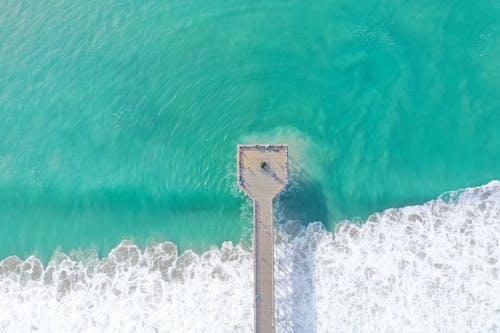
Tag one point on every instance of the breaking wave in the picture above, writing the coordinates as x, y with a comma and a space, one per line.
428, 268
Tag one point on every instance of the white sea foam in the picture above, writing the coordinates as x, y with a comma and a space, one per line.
428, 268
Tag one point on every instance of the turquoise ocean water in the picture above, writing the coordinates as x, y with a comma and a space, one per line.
120, 119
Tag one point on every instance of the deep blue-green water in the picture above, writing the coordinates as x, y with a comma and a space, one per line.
119, 122
121, 119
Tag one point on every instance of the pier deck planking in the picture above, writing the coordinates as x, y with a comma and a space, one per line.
262, 184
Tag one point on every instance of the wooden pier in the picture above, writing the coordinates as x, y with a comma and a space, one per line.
262, 174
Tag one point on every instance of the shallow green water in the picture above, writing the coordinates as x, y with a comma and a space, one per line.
120, 120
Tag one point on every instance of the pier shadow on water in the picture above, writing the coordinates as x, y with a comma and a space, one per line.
295, 250
303, 201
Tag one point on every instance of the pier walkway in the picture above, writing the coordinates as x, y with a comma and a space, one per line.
262, 174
